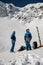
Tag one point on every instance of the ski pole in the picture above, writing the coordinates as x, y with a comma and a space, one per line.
38, 35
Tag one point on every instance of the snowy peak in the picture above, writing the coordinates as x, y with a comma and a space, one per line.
11, 9
6, 9
29, 12
3, 10
23, 15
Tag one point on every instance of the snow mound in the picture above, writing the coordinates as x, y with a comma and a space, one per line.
22, 58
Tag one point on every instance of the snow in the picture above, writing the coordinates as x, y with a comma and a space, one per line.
8, 25
18, 58
8, 9
22, 58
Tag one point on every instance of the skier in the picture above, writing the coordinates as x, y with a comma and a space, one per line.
13, 40
27, 38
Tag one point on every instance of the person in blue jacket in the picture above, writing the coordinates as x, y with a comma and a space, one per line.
13, 40
27, 38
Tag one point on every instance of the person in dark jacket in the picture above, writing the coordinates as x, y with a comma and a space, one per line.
27, 38
13, 40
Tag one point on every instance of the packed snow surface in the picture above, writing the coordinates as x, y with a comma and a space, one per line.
33, 57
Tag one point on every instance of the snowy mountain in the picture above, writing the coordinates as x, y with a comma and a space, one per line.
24, 14
7, 9
12, 18
11, 9
3, 10
29, 12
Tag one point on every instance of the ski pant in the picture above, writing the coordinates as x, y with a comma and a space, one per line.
28, 46
12, 47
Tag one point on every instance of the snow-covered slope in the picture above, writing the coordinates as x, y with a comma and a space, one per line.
3, 10
12, 10
34, 57
8, 25
29, 12
24, 14
7, 9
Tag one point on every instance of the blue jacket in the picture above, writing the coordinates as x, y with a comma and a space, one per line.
13, 37
28, 34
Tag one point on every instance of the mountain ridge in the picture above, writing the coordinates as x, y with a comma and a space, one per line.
23, 15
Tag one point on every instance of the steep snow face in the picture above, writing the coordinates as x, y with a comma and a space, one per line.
11, 9
29, 12
7, 9
24, 14
3, 10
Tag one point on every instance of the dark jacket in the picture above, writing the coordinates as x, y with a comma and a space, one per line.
28, 35
13, 37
